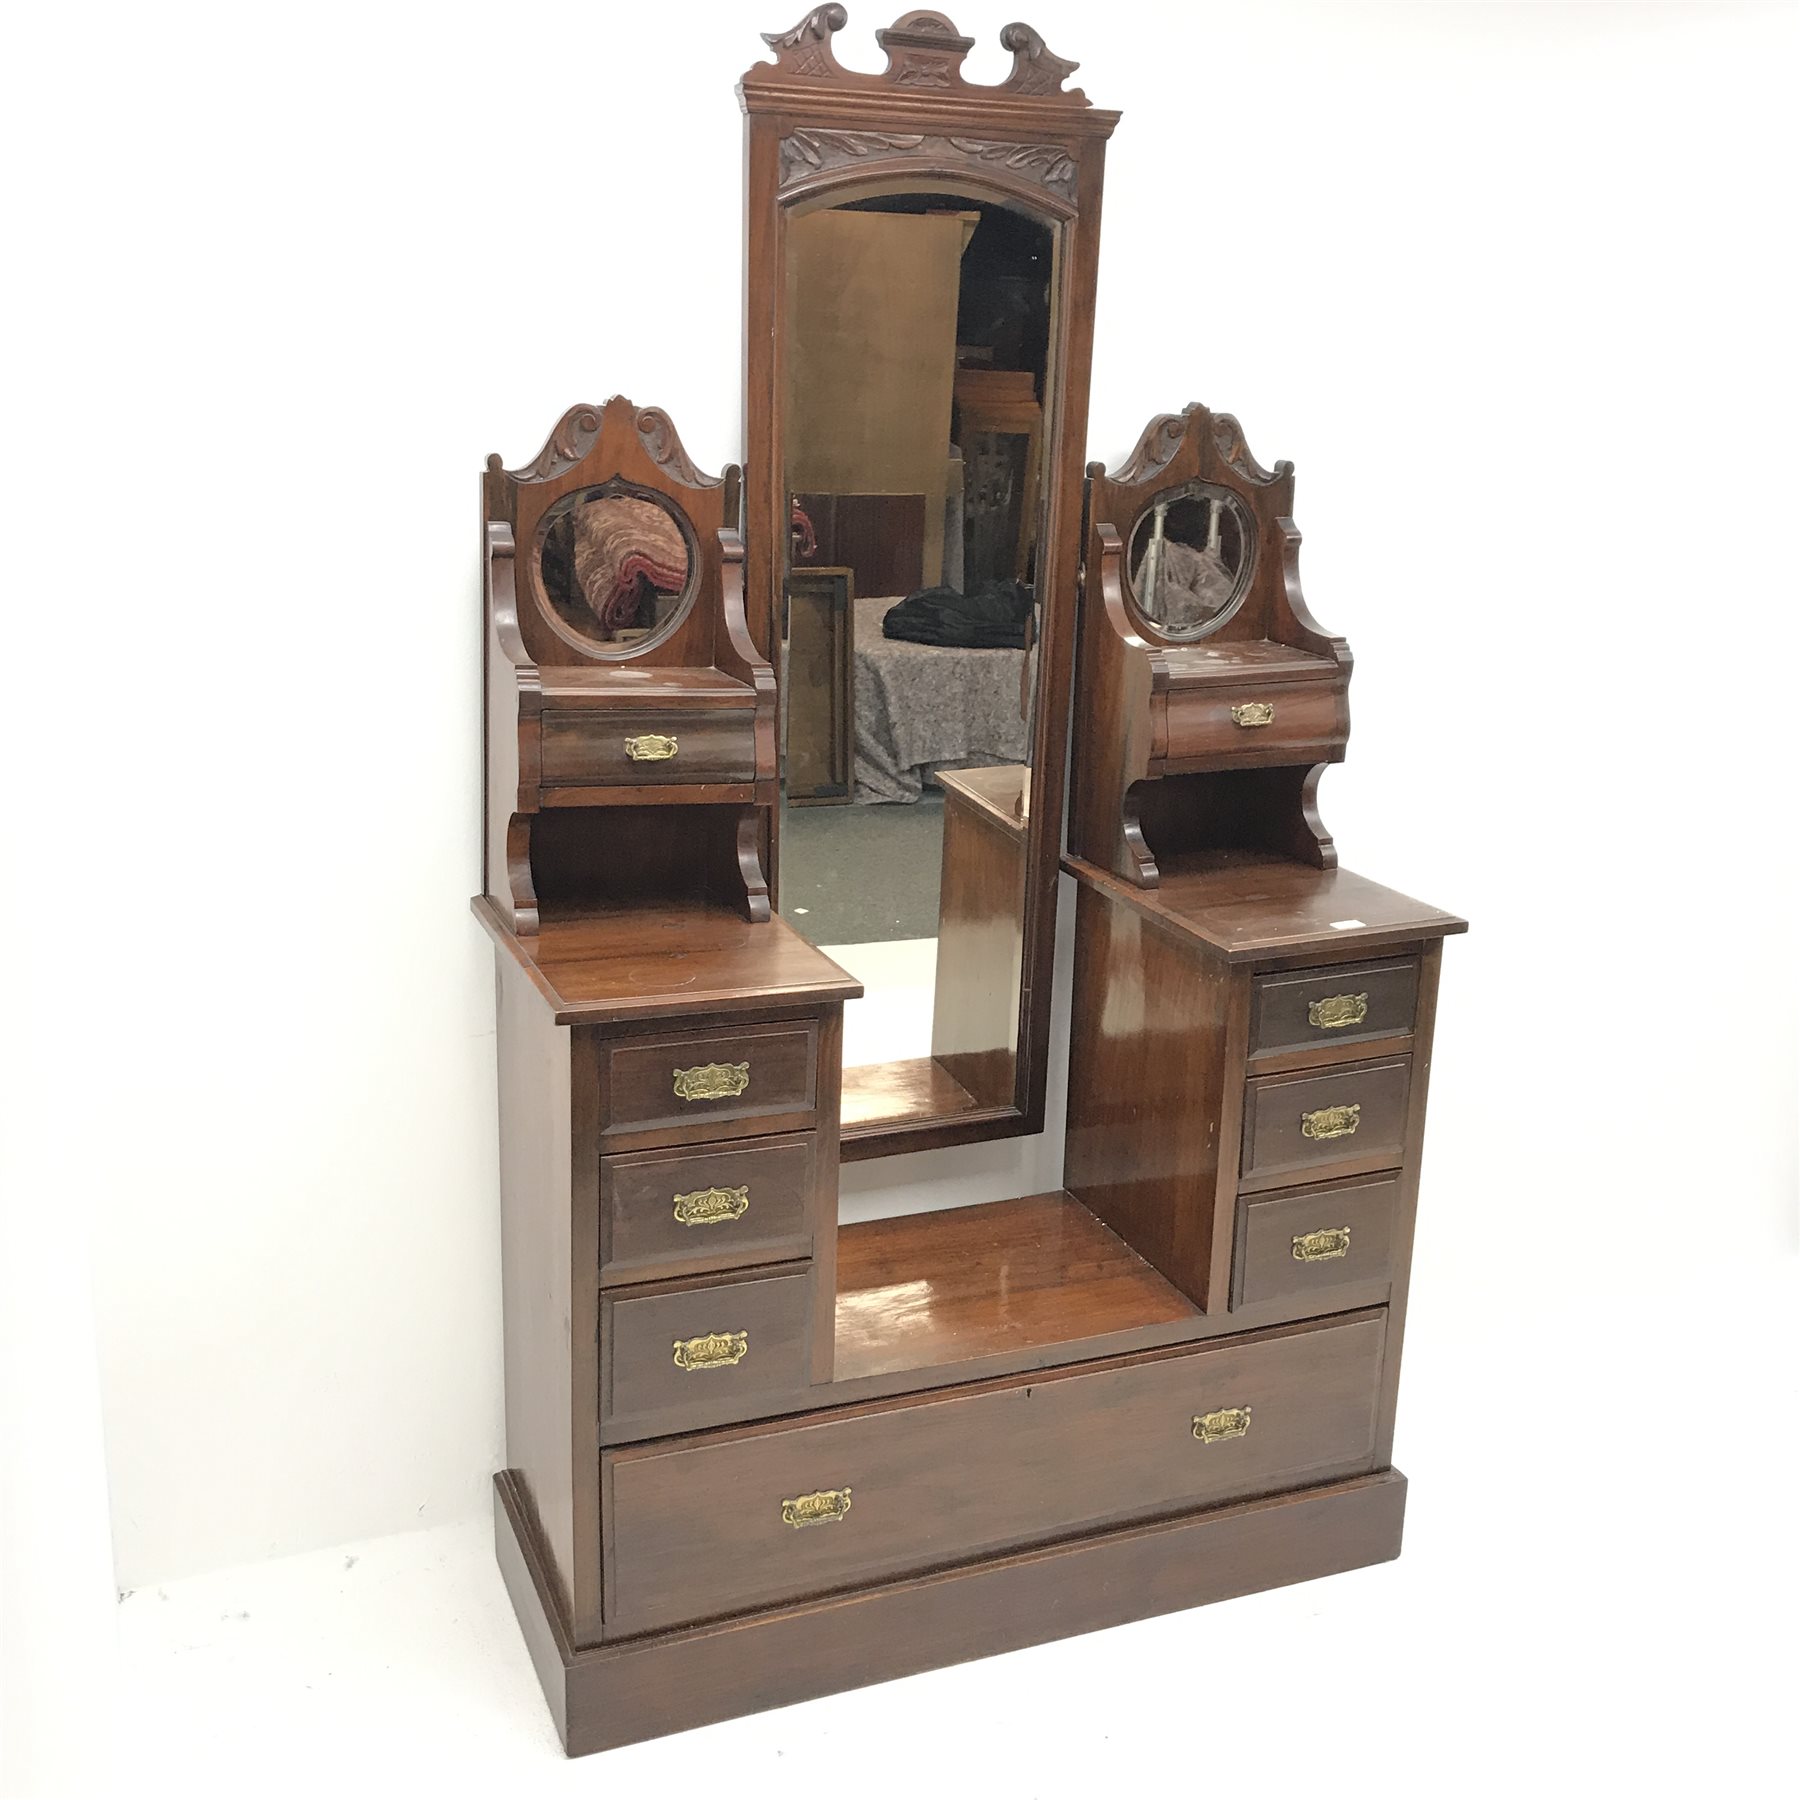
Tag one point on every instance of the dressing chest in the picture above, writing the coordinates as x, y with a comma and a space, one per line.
754, 1456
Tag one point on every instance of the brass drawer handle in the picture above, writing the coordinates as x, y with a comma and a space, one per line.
826, 1507
1331, 1122
712, 1081
1328, 1245
652, 746
712, 1206
1216, 1427
1253, 713
714, 1350
1337, 1011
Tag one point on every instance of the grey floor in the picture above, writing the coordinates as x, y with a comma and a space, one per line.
862, 874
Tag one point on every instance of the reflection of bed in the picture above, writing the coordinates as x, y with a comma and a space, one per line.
920, 706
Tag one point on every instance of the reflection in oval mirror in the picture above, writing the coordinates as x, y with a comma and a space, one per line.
615, 567
1190, 559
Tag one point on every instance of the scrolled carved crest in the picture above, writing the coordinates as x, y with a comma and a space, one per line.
925, 51
571, 440
1163, 439
656, 431
582, 427
1228, 440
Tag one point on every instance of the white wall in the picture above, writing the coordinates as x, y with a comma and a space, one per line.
1509, 283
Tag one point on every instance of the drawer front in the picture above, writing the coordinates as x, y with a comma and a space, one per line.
1208, 722
1292, 1245
709, 1083
1347, 1119
1339, 1005
633, 749
717, 1208
749, 1519
693, 1354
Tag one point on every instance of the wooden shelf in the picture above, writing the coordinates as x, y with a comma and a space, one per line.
983, 1290
902, 1093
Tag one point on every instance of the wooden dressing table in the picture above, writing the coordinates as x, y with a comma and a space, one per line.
753, 1456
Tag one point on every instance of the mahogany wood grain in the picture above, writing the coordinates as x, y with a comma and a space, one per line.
643, 1236
619, 1694
818, 134
1281, 1008
655, 963
641, 1085
1278, 1151
583, 749
698, 1529
641, 1383
1267, 1267
897, 1094
975, 1018
1194, 727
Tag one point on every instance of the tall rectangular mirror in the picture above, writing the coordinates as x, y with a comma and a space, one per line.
921, 256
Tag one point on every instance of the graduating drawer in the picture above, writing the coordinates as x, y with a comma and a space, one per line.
754, 1517
1210, 721
702, 1085
675, 1211
615, 748
1310, 1242
692, 1355
1339, 1005
1340, 1121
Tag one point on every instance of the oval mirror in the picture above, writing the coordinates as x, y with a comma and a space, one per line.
1190, 558
617, 568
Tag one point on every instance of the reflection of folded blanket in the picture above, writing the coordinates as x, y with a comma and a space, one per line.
1191, 585
619, 540
991, 618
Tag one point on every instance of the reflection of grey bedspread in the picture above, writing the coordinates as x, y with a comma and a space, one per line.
920, 706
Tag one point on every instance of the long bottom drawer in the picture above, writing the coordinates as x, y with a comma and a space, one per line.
746, 1518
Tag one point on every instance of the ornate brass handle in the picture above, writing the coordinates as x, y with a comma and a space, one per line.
826, 1507
1337, 1011
1227, 1422
1331, 1122
1253, 713
652, 746
712, 1081
712, 1206
713, 1350
1322, 1246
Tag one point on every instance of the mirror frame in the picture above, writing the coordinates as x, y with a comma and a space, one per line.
819, 134
1242, 580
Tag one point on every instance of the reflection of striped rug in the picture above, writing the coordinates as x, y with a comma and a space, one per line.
617, 541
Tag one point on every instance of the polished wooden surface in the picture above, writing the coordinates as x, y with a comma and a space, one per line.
1268, 1224
665, 962
642, 1238
594, 747
1385, 993
697, 1526
1247, 907
640, 1380
975, 1018
905, 1092
948, 1290
1277, 1147
622, 1693
642, 1089
820, 134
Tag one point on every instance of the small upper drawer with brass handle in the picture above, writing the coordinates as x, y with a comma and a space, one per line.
611, 747
1311, 1240
1208, 724
694, 1354
1344, 1004
1343, 1119
724, 1522
672, 1212
706, 1085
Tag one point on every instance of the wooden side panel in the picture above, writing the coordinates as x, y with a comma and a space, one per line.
1155, 1092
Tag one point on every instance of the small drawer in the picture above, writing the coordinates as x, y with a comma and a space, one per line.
750, 1518
1205, 723
1339, 1005
1295, 1244
1342, 1120
677, 1211
693, 1355
710, 1084
608, 747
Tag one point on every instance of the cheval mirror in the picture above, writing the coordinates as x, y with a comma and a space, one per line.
921, 268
